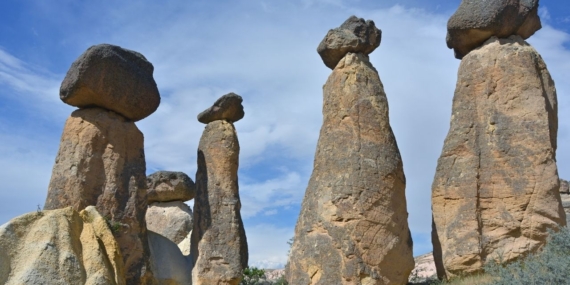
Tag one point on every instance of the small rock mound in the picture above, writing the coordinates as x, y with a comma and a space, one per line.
166, 186
474, 22
354, 35
112, 78
228, 108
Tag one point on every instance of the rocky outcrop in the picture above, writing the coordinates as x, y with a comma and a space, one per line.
474, 22
219, 245
227, 107
60, 247
168, 264
101, 159
496, 188
354, 35
424, 270
112, 78
167, 186
101, 162
172, 220
564, 187
353, 226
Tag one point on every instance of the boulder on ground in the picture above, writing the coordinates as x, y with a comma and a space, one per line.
112, 78
496, 189
166, 186
353, 225
355, 35
219, 245
101, 162
474, 22
172, 220
227, 107
60, 247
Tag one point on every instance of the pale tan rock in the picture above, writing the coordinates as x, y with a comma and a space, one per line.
564, 186
496, 189
185, 244
169, 266
172, 220
219, 245
59, 247
101, 163
424, 269
353, 226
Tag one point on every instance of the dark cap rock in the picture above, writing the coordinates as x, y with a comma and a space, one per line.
112, 78
354, 35
166, 186
474, 22
228, 108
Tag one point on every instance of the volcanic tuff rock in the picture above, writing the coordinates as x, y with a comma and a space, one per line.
354, 35
59, 247
169, 266
496, 188
219, 245
564, 186
166, 186
477, 21
172, 220
353, 226
101, 162
112, 78
227, 107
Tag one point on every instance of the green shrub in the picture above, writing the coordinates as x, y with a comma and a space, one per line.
548, 267
252, 276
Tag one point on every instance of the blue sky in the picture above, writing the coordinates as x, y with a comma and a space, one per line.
264, 50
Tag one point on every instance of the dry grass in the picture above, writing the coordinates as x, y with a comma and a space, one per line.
480, 279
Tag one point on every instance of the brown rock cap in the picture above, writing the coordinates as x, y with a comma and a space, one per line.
474, 22
228, 108
112, 78
354, 35
564, 186
166, 186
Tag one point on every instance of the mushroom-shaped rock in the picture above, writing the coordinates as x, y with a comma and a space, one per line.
354, 35
228, 108
112, 78
475, 22
166, 186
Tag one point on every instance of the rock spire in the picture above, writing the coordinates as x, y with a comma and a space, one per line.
353, 226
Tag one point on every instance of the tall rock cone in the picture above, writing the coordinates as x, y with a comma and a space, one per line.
101, 159
219, 245
496, 189
353, 226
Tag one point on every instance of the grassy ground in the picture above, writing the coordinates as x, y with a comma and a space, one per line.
470, 280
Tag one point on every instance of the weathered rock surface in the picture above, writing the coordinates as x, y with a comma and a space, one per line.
219, 245
227, 107
353, 226
101, 162
112, 78
169, 266
566, 205
496, 189
564, 186
172, 220
185, 244
166, 186
354, 35
59, 247
474, 22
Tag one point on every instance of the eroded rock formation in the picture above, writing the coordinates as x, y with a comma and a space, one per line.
60, 247
219, 245
101, 159
474, 22
167, 213
169, 265
353, 226
496, 189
